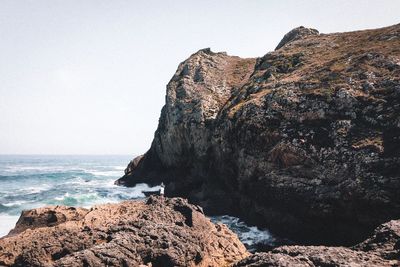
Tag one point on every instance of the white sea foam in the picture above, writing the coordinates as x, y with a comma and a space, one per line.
34, 189
249, 235
120, 168
133, 192
256, 235
16, 203
77, 181
7, 222
91, 183
21, 168
40, 169
112, 173
62, 197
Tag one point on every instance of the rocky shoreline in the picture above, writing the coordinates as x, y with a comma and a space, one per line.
166, 232
155, 232
304, 141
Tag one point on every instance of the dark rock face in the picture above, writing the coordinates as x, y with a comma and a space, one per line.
159, 232
133, 164
381, 249
304, 140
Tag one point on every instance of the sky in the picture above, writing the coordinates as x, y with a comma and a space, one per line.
89, 77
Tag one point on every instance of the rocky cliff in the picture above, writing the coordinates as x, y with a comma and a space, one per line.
304, 140
158, 232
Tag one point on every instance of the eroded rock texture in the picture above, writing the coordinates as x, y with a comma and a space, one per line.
158, 232
304, 140
381, 249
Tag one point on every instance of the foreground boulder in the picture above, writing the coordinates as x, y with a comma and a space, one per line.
167, 232
158, 232
304, 140
381, 249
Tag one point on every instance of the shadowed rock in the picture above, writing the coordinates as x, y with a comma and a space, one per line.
381, 249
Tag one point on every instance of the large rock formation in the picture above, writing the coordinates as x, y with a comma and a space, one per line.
304, 140
158, 232
381, 249
166, 232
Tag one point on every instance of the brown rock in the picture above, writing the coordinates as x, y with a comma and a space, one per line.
48, 216
159, 232
385, 241
381, 249
313, 256
303, 141
296, 34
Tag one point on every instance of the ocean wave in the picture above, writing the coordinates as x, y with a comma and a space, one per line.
14, 209
36, 176
82, 200
40, 169
132, 192
112, 173
16, 203
28, 182
4, 209
34, 189
78, 180
90, 182
120, 168
250, 236
62, 197
17, 168
16, 194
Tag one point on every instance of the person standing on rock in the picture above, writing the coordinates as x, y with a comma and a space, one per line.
162, 189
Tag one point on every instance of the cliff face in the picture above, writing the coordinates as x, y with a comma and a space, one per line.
304, 140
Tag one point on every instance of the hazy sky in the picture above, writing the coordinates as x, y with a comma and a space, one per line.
88, 77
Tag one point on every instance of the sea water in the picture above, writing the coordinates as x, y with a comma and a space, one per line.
28, 182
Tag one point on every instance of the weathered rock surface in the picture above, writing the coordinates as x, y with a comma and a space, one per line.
166, 232
133, 164
157, 232
296, 34
304, 140
381, 249
48, 216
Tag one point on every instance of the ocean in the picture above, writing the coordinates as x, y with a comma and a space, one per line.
32, 181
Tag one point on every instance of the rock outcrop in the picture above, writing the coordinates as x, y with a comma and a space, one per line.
304, 140
167, 232
296, 34
158, 232
381, 249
